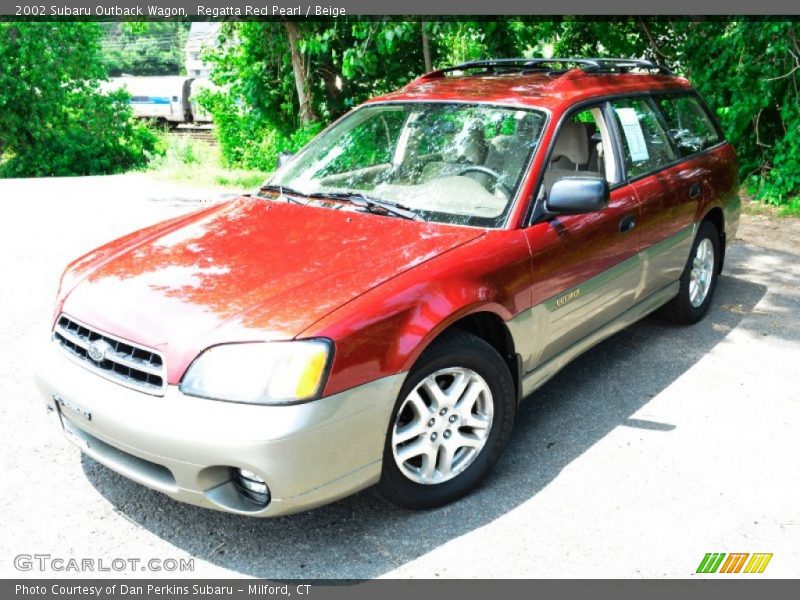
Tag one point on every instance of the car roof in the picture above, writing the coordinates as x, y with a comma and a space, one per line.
551, 90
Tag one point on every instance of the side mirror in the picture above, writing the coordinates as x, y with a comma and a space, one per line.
284, 157
577, 195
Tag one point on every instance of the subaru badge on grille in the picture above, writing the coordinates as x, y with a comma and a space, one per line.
97, 350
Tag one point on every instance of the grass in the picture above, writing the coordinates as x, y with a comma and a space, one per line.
792, 209
751, 206
195, 162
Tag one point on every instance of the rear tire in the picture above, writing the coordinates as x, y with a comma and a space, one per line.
452, 419
698, 280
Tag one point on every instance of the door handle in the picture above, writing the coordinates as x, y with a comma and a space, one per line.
694, 191
627, 223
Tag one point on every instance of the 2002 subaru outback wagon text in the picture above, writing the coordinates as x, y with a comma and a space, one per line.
377, 310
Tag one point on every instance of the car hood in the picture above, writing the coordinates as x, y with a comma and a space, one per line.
248, 270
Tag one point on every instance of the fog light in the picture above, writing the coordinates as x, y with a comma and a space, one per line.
252, 486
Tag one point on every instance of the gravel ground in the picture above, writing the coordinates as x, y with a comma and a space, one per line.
657, 446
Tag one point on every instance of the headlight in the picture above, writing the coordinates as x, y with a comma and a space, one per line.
260, 373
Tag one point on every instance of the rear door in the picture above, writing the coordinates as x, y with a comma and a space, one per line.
668, 183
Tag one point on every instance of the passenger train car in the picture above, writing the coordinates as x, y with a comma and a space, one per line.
170, 100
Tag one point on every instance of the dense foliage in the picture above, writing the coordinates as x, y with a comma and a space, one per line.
53, 118
144, 48
283, 81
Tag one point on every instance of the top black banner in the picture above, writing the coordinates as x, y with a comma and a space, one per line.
276, 9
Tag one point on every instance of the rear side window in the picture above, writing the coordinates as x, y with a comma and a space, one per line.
688, 123
645, 144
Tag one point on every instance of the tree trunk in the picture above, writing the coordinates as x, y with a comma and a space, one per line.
426, 48
334, 88
651, 40
300, 74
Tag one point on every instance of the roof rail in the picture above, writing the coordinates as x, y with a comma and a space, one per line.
589, 65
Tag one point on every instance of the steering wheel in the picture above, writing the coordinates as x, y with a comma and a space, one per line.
497, 177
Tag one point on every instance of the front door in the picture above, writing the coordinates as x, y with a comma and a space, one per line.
586, 268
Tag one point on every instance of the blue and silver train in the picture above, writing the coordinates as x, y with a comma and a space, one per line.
170, 100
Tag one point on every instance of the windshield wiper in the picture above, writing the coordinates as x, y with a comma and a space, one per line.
357, 198
370, 204
283, 190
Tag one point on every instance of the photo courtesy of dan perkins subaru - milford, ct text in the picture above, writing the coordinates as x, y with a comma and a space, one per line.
171, 590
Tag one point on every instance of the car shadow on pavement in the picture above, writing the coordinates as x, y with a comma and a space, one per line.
365, 536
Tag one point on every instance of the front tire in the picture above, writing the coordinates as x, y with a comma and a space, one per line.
698, 280
452, 419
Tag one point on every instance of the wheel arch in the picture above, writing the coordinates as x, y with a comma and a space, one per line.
487, 324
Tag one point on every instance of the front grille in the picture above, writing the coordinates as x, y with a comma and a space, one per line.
119, 360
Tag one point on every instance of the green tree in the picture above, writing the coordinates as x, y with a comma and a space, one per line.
255, 107
280, 81
53, 118
749, 72
144, 48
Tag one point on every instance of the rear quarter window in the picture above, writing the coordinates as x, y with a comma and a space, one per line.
688, 124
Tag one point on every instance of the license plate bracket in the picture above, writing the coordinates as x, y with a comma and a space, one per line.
62, 403
72, 431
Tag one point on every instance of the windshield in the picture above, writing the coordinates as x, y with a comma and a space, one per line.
450, 163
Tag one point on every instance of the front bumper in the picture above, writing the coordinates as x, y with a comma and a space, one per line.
308, 454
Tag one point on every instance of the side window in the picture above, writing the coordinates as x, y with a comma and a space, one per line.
582, 149
688, 123
645, 145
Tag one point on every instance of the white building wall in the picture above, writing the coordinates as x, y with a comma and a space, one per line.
202, 34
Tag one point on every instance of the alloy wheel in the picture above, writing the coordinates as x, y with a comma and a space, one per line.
442, 425
702, 272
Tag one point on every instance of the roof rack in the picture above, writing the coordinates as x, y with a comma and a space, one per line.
588, 65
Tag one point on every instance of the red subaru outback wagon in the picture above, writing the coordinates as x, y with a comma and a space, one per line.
377, 310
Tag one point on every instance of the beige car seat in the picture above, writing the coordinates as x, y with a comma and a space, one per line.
570, 155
